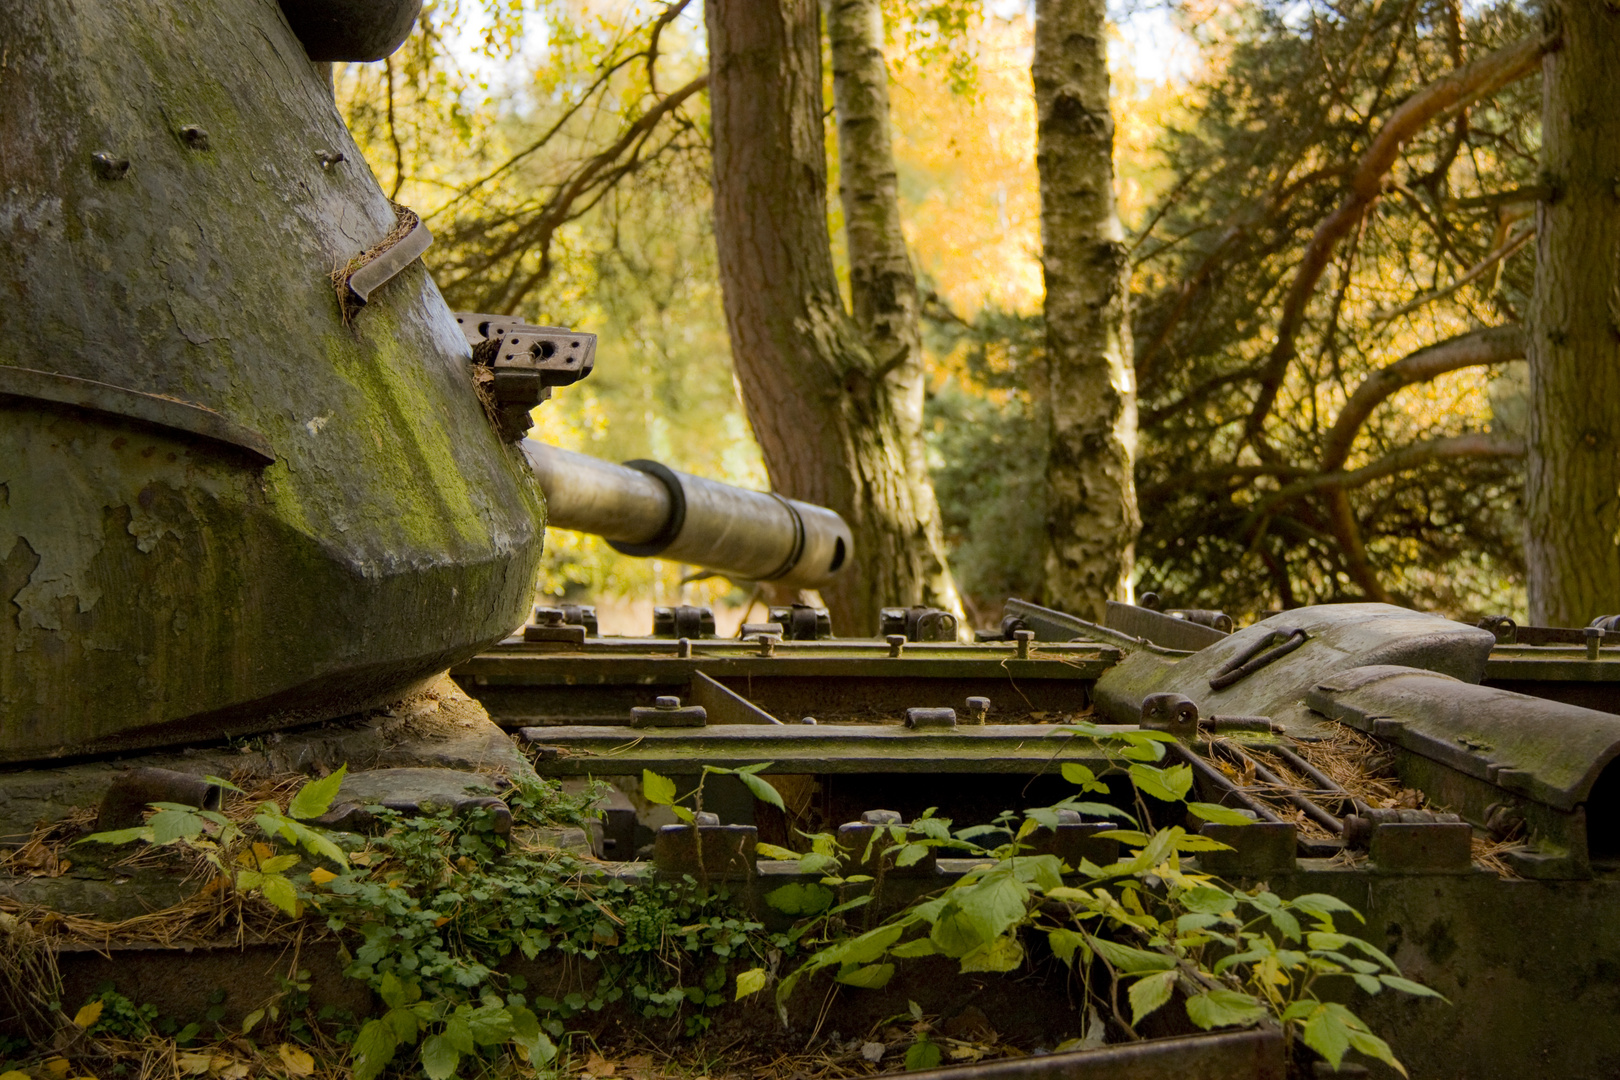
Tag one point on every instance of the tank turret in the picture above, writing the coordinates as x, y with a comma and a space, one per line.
250, 474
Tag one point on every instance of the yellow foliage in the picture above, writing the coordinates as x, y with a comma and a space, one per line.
87, 1016
296, 1061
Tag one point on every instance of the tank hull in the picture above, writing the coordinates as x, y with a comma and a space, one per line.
338, 520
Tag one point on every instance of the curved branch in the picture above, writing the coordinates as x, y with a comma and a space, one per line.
1493, 345
1477, 270
1482, 77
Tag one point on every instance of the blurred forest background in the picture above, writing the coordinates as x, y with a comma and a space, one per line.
559, 151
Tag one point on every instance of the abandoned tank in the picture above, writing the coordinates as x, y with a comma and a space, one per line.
256, 479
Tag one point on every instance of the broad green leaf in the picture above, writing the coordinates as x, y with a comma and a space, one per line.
1367, 983
911, 855
280, 892
922, 1055
869, 977
683, 813
1223, 1008
953, 934
1321, 939
751, 981
1045, 818
1129, 960
1373, 952
762, 789
1321, 904
404, 1023
910, 950
373, 1049
1167, 785
1125, 836
1220, 815
867, 947
1147, 994
659, 790
1200, 843
459, 1032
1045, 872
795, 899
1286, 924
490, 1025
1326, 1033
1367, 1043
993, 905
1082, 777
1069, 894
771, 851
1002, 954
315, 798
1407, 986
392, 991
1097, 809
120, 836
314, 841
1208, 900
439, 1058
278, 864
1064, 943
171, 825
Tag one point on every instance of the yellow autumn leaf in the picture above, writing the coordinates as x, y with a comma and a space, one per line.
15, 1075
89, 1014
321, 875
193, 1064
297, 1062
57, 1066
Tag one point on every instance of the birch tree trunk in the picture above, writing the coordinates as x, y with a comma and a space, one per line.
1572, 546
883, 284
829, 419
1092, 518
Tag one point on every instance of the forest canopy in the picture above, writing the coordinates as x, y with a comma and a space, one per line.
560, 151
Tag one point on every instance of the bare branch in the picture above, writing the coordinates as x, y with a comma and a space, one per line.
1483, 77
1493, 345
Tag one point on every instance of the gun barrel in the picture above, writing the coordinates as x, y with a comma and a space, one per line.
646, 509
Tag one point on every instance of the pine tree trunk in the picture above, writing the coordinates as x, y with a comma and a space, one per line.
1092, 518
883, 285
829, 422
1572, 546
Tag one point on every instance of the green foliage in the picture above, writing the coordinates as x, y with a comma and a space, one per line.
248, 866
436, 904
1300, 94
1144, 924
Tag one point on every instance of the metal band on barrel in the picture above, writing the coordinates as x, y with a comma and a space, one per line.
672, 524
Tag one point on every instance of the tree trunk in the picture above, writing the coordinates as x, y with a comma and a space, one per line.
1092, 518
829, 421
883, 285
1572, 546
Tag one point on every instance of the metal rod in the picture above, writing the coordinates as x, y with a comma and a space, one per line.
1222, 783
1313, 811
645, 509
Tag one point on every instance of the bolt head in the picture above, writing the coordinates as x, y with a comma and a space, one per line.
109, 166
667, 701
894, 639
881, 817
